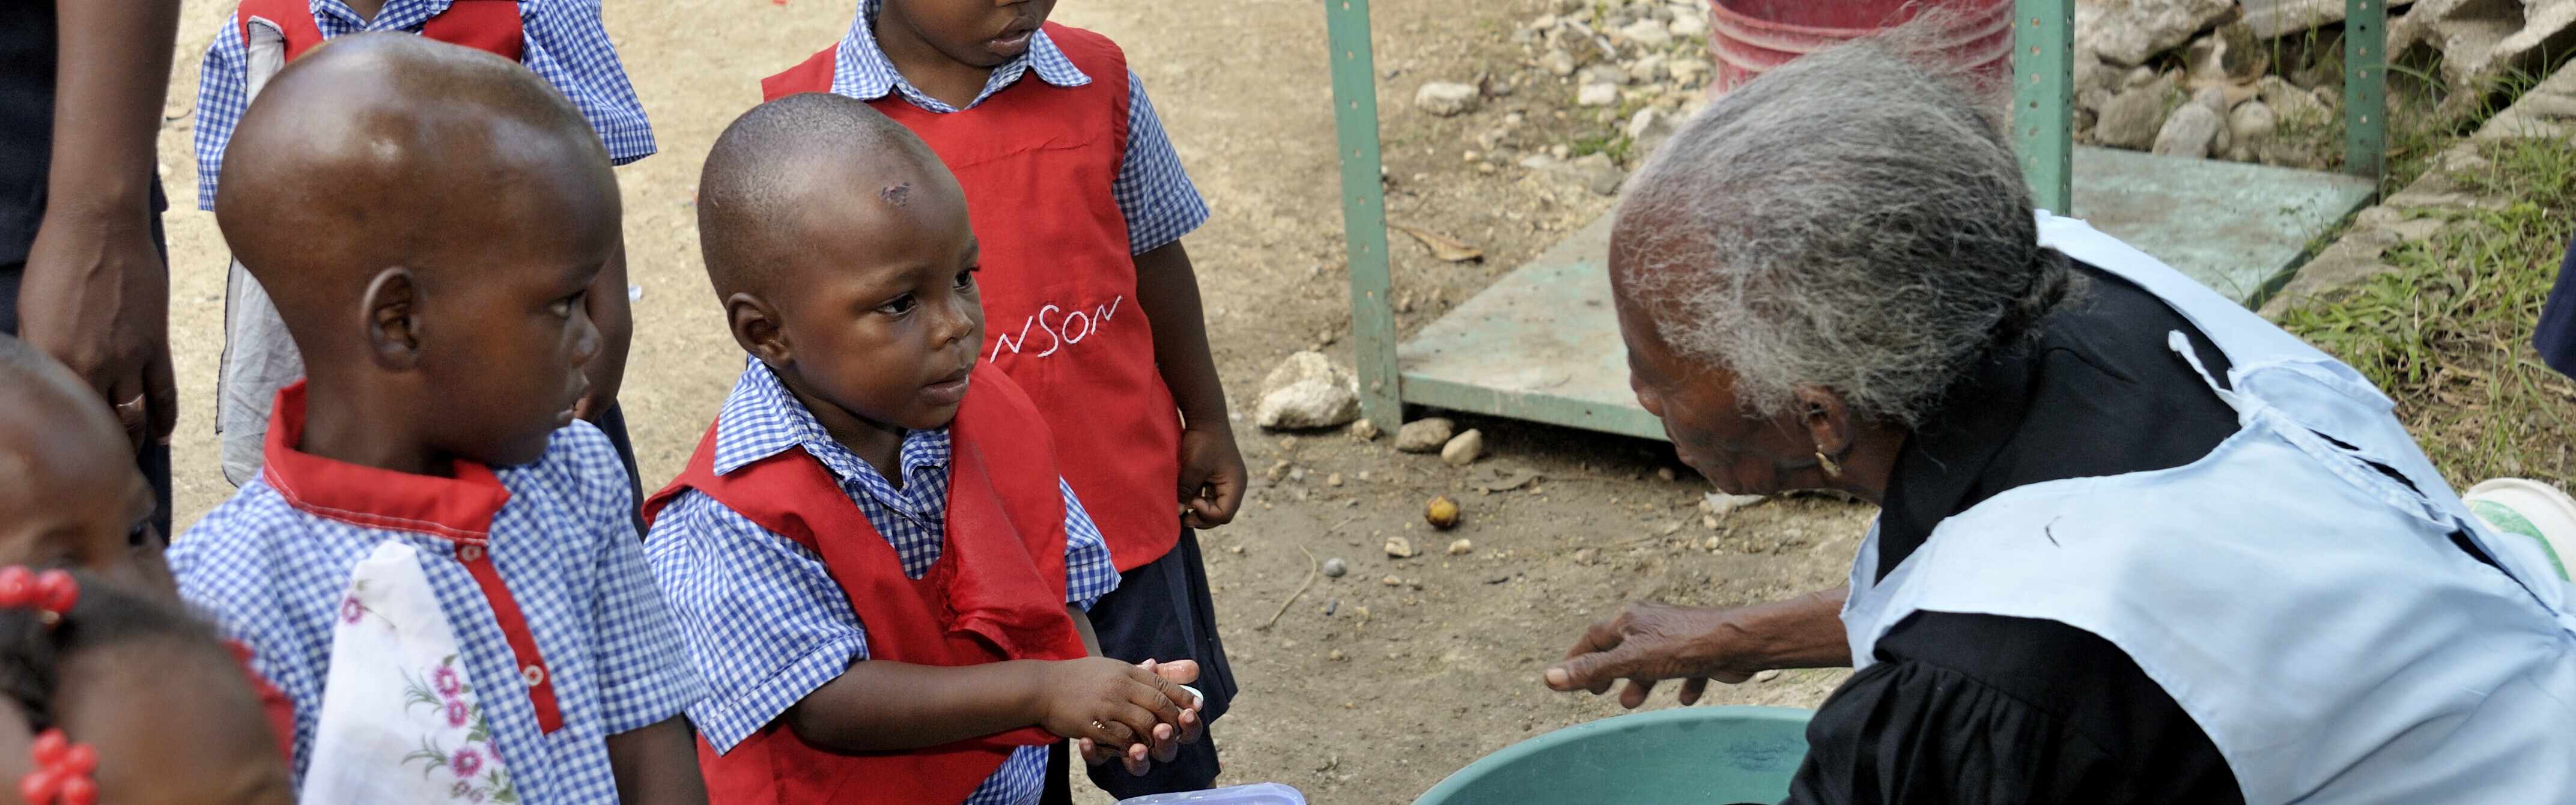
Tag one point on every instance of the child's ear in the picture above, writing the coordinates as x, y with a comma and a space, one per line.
757, 328
391, 308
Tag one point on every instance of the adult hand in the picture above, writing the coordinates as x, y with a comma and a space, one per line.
1212, 476
97, 298
1652, 641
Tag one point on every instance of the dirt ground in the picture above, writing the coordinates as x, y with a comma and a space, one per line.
1368, 688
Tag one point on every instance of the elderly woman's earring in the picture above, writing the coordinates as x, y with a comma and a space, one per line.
1832, 470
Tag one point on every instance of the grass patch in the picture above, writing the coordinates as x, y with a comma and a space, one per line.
2448, 333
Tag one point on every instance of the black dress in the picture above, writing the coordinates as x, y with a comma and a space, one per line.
1976, 709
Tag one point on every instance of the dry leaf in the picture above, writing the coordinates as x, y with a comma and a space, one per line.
1442, 246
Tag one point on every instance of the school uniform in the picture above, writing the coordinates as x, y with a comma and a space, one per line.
787, 558
1068, 175
531, 575
562, 41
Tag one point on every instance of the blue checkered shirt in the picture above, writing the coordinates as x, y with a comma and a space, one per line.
565, 45
1152, 190
271, 576
766, 623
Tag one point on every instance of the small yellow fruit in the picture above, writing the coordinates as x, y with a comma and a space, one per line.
1442, 513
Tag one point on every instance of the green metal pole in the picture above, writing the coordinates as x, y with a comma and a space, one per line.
2044, 100
1364, 212
2365, 87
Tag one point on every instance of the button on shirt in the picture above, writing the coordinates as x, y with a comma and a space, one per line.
565, 44
270, 567
766, 623
1152, 190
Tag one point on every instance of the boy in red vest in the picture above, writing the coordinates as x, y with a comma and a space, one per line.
879, 569
1093, 304
562, 41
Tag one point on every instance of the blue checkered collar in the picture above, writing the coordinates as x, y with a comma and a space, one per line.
861, 70
397, 15
761, 418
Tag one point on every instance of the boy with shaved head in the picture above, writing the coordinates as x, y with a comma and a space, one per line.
430, 516
880, 571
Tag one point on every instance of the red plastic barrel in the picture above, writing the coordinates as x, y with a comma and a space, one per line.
1749, 37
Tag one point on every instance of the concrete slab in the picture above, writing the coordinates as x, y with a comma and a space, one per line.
1542, 343
2234, 226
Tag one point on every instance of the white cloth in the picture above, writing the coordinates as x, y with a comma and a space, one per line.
259, 358
2310, 612
401, 722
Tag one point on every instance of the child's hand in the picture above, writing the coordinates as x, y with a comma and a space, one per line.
1167, 737
1212, 476
1107, 703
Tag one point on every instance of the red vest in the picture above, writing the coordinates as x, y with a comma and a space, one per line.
1059, 284
996, 593
488, 25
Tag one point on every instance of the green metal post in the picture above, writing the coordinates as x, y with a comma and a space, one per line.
2044, 100
2365, 87
1364, 211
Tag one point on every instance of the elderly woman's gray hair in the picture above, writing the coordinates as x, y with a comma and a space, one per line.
1849, 221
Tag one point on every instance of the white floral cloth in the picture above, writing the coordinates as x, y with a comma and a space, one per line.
400, 720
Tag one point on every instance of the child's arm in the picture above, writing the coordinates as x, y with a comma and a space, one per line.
882, 705
657, 765
1212, 475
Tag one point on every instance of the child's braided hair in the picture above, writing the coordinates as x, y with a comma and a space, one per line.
32, 650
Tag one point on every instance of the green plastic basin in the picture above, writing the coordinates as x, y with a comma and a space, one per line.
1697, 755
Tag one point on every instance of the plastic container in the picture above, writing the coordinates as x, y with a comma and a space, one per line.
1710, 755
2532, 509
1254, 794
1747, 38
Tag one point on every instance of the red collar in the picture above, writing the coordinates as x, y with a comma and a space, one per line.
459, 508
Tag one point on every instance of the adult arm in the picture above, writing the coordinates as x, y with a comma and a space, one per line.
612, 313
657, 765
1212, 476
96, 294
1652, 641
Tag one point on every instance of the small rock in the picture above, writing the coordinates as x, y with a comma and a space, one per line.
1424, 435
1596, 95
1336, 655
1599, 174
1446, 98
1461, 547
1297, 473
2250, 123
1586, 556
1708, 521
1441, 513
2137, 77
1665, 473
1335, 567
1463, 449
1399, 547
1767, 676
2191, 131
1647, 33
1365, 431
1689, 23
1334, 479
1278, 472
2289, 103
1718, 504
2128, 31
1287, 442
1308, 391
1557, 63
2132, 118
1611, 74
1713, 543
2094, 99
1391, 581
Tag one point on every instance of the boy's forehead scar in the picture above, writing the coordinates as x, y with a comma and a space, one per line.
898, 194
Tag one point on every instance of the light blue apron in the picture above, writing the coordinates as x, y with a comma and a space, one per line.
2311, 613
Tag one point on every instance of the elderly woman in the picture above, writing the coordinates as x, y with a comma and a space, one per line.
2135, 544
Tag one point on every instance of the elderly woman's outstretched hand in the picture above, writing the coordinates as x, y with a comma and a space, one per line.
1652, 641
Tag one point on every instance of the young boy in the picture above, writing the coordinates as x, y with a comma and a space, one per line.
69, 494
880, 571
563, 41
429, 219
1083, 204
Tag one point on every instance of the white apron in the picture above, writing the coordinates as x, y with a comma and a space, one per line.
2309, 612
401, 721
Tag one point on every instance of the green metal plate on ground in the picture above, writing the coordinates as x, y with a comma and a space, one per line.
1542, 343
2235, 227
